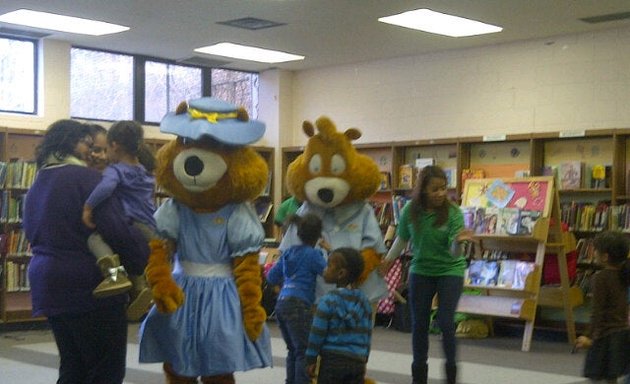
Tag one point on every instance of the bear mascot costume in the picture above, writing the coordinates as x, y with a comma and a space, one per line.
206, 282
334, 181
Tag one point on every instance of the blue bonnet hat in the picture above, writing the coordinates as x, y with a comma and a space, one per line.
222, 121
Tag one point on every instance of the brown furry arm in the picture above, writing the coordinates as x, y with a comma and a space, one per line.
248, 276
371, 260
167, 295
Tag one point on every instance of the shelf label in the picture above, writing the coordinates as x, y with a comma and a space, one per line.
494, 138
564, 134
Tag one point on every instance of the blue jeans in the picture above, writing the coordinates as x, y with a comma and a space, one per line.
295, 317
421, 292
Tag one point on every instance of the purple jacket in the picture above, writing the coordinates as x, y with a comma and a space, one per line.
63, 271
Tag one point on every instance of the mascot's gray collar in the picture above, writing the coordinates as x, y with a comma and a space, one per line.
342, 213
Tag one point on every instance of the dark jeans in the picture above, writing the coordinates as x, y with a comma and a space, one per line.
338, 369
92, 345
295, 317
421, 292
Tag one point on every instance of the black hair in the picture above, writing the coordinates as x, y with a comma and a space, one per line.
418, 197
60, 140
353, 263
616, 245
95, 129
128, 134
146, 158
309, 228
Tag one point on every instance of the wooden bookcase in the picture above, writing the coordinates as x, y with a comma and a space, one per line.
16, 146
537, 194
20, 144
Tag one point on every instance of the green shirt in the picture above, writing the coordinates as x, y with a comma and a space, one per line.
286, 209
431, 246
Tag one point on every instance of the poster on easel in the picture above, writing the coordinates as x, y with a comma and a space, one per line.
531, 194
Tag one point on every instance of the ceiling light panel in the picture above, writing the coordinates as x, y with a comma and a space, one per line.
245, 52
440, 23
60, 23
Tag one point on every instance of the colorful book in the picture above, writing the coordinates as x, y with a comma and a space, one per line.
570, 174
527, 220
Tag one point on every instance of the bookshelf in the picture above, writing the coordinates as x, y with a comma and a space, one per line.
17, 153
536, 194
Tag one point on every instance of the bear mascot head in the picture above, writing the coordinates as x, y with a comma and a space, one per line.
207, 320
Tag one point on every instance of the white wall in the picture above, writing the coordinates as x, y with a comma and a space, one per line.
573, 82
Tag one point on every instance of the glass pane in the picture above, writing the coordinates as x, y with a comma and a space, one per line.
101, 85
166, 86
17, 75
240, 88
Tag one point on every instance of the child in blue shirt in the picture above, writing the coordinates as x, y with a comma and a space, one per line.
297, 269
127, 178
342, 327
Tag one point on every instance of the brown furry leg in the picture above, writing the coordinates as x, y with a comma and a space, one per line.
174, 378
221, 379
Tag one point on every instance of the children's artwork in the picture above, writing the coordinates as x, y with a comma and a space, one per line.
533, 194
499, 193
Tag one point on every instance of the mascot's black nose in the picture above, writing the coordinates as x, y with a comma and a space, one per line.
193, 166
325, 194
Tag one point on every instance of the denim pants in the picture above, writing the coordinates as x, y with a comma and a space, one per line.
421, 291
294, 318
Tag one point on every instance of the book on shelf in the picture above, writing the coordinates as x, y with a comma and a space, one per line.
451, 177
523, 269
527, 220
386, 181
508, 221
422, 162
490, 219
472, 174
507, 271
570, 174
405, 176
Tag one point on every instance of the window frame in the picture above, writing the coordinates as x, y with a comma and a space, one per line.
36, 46
138, 70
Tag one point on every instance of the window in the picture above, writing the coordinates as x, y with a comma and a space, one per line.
18, 75
101, 85
113, 86
166, 85
240, 88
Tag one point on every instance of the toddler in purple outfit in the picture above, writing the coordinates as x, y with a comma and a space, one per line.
129, 178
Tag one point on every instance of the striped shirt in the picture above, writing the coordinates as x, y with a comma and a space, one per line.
342, 325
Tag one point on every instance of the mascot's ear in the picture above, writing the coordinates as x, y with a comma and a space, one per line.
352, 134
181, 108
308, 128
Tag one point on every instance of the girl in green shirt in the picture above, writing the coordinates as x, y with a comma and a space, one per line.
434, 226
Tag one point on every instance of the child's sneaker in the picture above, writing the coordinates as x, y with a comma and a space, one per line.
115, 282
141, 299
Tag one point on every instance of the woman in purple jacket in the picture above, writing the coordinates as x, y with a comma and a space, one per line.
91, 334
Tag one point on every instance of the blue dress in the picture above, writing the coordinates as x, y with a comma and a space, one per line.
205, 336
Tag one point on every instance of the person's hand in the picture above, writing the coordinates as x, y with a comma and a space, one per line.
310, 370
465, 235
583, 342
87, 217
324, 245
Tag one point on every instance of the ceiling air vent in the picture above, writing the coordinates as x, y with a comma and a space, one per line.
203, 62
606, 18
251, 23
22, 33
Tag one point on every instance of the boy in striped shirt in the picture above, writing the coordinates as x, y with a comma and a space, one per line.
342, 327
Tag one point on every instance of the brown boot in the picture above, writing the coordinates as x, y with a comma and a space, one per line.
174, 378
115, 282
141, 298
220, 379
